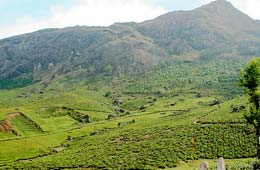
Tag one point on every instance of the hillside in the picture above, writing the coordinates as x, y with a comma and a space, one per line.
206, 32
59, 51
160, 94
217, 28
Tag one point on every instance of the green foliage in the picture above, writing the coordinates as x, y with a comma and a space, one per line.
251, 76
214, 76
251, 80
226, 140
15, 83
176, 121
172, 127
25, 127
151, 148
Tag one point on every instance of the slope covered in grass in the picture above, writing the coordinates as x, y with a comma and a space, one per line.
149, 121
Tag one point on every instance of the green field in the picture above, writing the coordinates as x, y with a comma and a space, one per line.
166, 119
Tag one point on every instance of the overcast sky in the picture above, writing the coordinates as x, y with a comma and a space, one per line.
22, 16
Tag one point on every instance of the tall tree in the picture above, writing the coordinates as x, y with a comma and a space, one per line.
251, 81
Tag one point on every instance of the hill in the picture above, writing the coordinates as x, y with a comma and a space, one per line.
217, 28
203, 33
116, 49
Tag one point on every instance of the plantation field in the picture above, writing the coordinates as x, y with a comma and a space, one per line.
156, 121
230, 163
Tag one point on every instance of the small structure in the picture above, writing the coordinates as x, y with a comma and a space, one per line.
221, 164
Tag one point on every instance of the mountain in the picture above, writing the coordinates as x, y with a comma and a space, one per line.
62, 50
211, 26
214, 30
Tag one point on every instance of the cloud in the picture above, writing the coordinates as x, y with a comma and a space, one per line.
86, 12
250, 7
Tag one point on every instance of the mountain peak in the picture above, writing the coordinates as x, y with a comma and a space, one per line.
225, 10
219, 4
202, 28
221, 1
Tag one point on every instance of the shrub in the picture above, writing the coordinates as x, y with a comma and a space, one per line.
256, 165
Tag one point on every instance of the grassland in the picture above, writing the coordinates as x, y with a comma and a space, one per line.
153, 121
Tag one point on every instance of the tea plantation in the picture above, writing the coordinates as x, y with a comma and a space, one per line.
163, 119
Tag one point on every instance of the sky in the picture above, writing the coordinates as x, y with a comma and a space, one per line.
23, 16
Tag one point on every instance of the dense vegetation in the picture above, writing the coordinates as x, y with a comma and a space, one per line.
215, 75
152, 148
132, 129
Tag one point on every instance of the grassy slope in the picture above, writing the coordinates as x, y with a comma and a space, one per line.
142, 122
158, 130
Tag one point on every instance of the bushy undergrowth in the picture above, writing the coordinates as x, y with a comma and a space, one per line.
189, 127
151, 148
216, 76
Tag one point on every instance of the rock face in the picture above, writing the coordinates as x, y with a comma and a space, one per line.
221, 164
204, 166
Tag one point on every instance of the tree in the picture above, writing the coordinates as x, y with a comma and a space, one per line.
251, 81
108, 70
